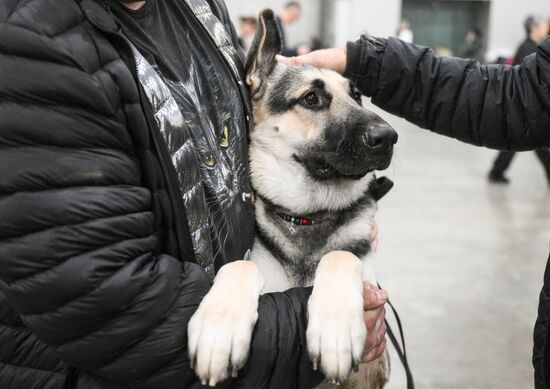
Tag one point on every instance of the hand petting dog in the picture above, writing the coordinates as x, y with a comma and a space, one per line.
332, 59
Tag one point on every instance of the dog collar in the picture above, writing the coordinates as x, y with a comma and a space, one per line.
299, 221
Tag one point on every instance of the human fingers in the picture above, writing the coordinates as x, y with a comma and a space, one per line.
333, 59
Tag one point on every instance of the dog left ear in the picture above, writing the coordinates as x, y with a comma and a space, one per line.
261, 58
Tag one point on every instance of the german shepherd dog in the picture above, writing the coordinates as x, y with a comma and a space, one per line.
313, 153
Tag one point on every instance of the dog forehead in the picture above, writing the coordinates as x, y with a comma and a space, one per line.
335, 81
294, 79
290, 80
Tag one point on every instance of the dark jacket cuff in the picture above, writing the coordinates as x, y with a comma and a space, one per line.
363, 63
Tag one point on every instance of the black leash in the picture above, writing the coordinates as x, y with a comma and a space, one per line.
400, 348
379, 188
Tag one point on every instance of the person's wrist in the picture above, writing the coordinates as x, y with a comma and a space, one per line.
364, 62
353, 59
332, 59
340, 59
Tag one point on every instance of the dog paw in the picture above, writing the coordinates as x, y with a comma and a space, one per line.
220, 331
336, 332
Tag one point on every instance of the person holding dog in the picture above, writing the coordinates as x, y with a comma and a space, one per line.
123, 188
498, 106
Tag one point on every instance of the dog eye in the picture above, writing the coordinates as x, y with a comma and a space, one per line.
310, 99
357, 96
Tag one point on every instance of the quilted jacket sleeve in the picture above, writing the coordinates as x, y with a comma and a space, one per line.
496, 106
78, 231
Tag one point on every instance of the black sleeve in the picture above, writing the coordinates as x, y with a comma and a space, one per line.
496, 106
78, 232
77, 228
279, 357
278, 353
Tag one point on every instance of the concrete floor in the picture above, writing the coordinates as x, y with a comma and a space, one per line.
463, 261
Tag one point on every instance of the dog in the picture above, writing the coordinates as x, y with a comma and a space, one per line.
313, 153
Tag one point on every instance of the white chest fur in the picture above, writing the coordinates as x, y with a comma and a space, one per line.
276, 279
278, 276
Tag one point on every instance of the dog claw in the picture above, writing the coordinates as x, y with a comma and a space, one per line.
315, 364
234, 373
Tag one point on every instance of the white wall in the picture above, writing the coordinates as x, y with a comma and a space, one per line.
355, 17
301, 31
506, 22
380, 18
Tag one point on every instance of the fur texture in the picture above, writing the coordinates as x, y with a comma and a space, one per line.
313, 153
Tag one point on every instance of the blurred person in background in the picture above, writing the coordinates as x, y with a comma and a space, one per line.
404, 31
291, 13
536, 29
473, 45
246, 31
442, 50
124, 187
497, 106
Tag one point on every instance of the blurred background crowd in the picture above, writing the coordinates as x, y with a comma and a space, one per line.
490, 31
464, 238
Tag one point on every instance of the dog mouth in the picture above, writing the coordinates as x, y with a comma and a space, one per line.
330, 165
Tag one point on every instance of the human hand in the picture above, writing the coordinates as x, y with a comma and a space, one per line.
333, 59
374, 315
374, 236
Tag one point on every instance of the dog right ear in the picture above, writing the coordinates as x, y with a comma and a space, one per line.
262, 56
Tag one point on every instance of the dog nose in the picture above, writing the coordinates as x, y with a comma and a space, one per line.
381, 136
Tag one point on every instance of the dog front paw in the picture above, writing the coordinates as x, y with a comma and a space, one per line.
220, 331
336, 331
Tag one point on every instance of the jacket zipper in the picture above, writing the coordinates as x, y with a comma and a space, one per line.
169, 179
186, 247
171, 182
246, 108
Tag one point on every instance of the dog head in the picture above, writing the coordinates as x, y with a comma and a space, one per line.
314, 145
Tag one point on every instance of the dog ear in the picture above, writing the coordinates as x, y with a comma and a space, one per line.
261, 58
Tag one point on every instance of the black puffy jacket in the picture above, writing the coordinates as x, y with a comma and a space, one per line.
95, 289
496, 106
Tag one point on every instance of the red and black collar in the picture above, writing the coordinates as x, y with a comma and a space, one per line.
378, 188
298, 220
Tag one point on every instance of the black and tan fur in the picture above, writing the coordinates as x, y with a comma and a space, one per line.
313, 153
